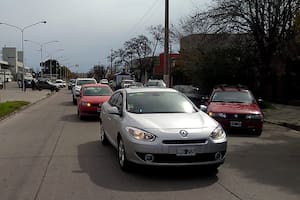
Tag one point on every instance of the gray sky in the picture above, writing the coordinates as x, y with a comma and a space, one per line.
86, 29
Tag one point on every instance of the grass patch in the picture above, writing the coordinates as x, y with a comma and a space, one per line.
266, 105
11, 106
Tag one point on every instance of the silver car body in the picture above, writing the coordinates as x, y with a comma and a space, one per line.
181, 138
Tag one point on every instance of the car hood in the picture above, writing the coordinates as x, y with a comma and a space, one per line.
234, 108
197, 120
95, 99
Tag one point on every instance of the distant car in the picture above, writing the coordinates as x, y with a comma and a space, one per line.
155, 83
160, 126
60, 83
236, 109
44, 84
1, 85
77, 86
91, 97
104, 81
193, 93
126, 83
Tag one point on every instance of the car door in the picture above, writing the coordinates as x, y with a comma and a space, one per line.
113, 120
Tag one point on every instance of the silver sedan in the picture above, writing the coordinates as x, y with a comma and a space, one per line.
160, 126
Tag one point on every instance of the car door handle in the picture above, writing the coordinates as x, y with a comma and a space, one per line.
108, 118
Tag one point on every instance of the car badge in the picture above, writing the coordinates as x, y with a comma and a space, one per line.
236, 116
183, 133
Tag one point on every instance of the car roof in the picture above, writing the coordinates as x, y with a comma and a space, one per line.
230, 88
147, 89
95, 85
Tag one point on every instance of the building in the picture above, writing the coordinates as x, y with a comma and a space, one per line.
13, 60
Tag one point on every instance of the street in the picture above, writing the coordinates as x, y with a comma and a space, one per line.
47, 153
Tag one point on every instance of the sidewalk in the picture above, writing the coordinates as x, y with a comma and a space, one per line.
283, 115
14, 93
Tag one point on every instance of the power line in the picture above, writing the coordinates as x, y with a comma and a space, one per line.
150, 9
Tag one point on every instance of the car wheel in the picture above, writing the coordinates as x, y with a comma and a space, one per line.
103, 138
258, 132
123, 162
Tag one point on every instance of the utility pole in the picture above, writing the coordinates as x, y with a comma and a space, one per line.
111, 60
166, 46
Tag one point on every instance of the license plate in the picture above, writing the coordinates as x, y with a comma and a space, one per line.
236, 124
186, 152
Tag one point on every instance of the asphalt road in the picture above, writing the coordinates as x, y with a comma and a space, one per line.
47, 153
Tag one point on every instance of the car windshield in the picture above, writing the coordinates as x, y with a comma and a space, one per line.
97, 91
158, 102
83, 82
233, 97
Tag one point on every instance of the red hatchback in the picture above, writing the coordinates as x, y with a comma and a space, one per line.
91, 97
235, 108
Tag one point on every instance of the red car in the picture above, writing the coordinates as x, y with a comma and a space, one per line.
235, 108
91, 97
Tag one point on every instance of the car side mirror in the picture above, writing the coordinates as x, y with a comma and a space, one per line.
203, 108
114, 111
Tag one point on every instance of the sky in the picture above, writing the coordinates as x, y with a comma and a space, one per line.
86, 30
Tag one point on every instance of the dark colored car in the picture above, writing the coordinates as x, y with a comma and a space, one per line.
193, 93
235, 108
41, 84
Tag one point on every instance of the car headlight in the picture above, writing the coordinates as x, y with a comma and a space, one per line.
254, 116
217, 115
140, 134
218, 133
87, 104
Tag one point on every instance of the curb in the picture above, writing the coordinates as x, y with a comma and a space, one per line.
284, 124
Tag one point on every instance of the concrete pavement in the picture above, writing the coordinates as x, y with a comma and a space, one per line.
284, 115
14, 93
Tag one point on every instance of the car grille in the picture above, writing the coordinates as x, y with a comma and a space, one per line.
173, 158
199, 141
236, 116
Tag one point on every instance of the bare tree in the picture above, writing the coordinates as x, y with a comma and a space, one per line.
269, 22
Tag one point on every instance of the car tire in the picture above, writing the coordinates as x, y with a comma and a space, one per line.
103, 138
257, 133
123, 162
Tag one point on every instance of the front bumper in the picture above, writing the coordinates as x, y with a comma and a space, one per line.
157, 153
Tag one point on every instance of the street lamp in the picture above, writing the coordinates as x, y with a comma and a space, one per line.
22, 29
41, 50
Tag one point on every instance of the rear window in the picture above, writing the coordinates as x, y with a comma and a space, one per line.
97, 91
83, 82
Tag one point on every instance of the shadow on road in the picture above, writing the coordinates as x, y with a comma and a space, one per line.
272, 159
68, 103
100, 163
74, 118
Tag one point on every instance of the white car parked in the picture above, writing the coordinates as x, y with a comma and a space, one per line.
77, 87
